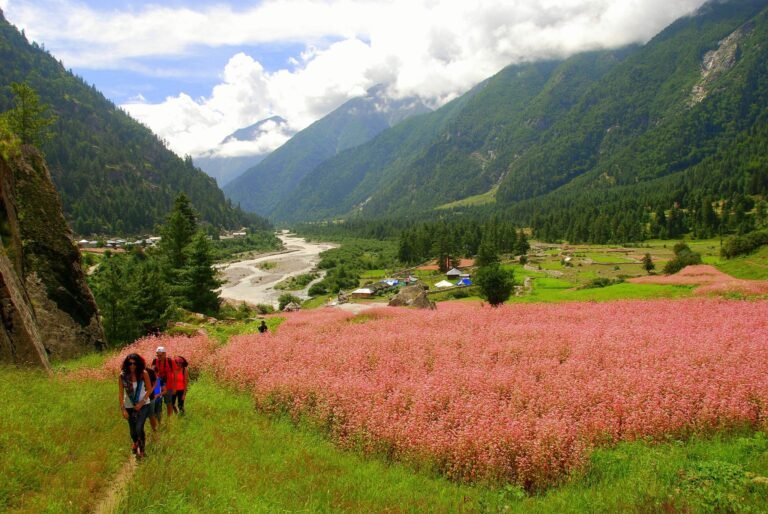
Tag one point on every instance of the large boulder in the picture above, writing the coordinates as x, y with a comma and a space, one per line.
412, 296
47, 308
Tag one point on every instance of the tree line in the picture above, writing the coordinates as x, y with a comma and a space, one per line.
139, 291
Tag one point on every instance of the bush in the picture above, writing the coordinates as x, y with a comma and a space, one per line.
317, 289
602, 282
496, 284
742, 245
287, 298
684, 256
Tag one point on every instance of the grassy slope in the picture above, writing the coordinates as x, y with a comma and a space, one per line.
225, 457
60, 441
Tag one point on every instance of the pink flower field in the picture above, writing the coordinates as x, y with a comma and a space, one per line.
197, 350
711, 281
520, 393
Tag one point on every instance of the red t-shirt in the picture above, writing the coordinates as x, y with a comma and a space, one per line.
165, 369
181, 384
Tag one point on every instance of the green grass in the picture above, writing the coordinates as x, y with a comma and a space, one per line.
225, 457
223, 331
317, 301
552, 291
63, 446
753, 266
472, 201
373, 274
296, 283
714, 474
608, 258
61, 441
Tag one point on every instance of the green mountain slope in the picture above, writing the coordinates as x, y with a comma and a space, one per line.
449, 154
113, 174
610, 133
267, 184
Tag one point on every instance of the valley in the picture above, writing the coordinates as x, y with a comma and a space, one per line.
543, 230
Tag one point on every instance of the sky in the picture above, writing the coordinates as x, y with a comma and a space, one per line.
195, 71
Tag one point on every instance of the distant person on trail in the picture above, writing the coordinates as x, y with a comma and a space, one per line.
135, 387
166, 371
182, 384
156, 399
263, 327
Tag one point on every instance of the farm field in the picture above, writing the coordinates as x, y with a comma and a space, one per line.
564, 273
521, 393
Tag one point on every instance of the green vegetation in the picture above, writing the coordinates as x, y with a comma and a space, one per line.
253, 243
223, 331
138, 292
742, 245
724, 473
296, 283
64, 443
59, 459
496, 284
113, 174
270, 465
472, 201
753, 266
28, 118
345, 265
683, 257
286, 298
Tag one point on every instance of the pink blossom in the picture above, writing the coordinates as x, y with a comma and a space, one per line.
522, 392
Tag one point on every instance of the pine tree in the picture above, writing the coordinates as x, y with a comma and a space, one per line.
27, 119
199, 277
488, 252
177, 233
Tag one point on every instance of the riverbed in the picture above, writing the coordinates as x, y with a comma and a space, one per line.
253, 280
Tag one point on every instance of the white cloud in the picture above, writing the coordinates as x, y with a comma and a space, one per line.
435, 49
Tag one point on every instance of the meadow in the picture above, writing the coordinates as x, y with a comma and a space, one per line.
634, 397
519, 394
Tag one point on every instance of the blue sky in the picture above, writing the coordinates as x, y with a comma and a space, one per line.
195, 71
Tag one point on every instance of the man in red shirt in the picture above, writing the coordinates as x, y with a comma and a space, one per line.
167, 372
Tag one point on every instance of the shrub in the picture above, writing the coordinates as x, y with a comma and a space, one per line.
684, 256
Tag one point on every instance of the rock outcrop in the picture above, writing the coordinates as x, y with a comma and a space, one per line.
47, 309
718, 62
412, 296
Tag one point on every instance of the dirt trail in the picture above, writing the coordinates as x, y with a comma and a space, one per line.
253, 282
111, 501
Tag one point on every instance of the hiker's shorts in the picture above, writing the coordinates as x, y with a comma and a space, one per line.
156, 407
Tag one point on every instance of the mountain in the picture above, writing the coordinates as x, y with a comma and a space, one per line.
445, 155
555, 139
224, 168
258, 129
113, 174
48, 309
264, 186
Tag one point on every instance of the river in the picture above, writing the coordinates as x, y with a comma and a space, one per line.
253, 280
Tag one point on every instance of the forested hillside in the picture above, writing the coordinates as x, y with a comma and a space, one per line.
268, 184
598, 147
113, 174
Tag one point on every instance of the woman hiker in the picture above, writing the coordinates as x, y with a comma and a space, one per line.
134, 388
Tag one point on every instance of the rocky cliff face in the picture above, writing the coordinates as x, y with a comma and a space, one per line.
46, 308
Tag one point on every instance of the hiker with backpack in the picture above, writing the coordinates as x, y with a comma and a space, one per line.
182, 382
166, 372
135, 388
155, 399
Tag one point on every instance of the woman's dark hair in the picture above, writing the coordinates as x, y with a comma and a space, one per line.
140, 365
